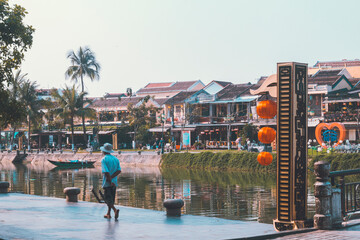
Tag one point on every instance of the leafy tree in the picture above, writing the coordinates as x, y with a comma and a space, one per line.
32, 104
141, 118
15, 38
83, 64
68, 105
249, 131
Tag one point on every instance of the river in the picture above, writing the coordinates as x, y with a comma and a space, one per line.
231, 195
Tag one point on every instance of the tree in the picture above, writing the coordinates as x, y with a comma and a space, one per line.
141, 118
15, 38
16, 82
249, 131
83, 64
32, 104
68, 105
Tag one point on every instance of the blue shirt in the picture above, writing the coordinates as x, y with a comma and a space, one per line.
109, 164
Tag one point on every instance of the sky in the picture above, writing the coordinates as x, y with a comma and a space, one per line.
142, 41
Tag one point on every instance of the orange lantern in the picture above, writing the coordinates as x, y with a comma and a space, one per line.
267, 135
264, 158
266, 109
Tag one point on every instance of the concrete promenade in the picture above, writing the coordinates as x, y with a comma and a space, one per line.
25, 216
35, 217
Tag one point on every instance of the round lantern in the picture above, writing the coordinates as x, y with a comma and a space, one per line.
267, 135
266, 109
264, 158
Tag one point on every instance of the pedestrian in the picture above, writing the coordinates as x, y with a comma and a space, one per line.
110, 167
238, 143
248, 143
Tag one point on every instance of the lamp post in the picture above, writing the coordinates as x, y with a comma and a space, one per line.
162, 137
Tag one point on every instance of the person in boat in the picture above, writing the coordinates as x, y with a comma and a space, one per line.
110, 167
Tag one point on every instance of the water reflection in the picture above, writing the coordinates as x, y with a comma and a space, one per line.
231, 195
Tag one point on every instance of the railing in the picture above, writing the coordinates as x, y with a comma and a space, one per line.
350, 192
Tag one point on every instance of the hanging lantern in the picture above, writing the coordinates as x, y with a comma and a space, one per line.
264, 158
267, 135
266, 109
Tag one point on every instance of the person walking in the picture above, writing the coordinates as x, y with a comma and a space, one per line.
238, 143
110, 167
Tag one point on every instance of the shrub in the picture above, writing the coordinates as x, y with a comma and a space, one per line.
227, 160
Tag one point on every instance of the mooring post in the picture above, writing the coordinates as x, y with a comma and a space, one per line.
71, 194
173, 207
4, 186
322, 193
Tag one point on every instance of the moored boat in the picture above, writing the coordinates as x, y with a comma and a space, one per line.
72, 163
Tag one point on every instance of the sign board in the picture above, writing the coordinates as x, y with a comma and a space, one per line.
186, 138
51, 140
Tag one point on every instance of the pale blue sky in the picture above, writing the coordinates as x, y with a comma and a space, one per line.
141, 41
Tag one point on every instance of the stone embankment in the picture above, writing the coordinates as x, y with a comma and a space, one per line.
126, 159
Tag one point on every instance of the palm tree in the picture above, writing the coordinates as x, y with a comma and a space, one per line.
32, 104
69, 104
83, 64
16, 82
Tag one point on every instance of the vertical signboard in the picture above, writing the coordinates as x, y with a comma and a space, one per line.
291, 146
186, 139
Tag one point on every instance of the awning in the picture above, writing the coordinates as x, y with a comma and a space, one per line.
183, 129
158, 129
245, 99
342, 100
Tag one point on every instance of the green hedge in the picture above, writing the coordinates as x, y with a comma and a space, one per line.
227, 160
221, 178
338, 161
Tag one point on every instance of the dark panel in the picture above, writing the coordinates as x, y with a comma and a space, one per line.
300, 186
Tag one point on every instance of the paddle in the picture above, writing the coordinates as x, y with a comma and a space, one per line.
97, 197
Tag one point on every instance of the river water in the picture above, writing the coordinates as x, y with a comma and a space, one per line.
231, 195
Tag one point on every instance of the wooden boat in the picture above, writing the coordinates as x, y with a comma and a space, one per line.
72, 163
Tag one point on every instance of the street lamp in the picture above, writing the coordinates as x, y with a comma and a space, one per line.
162, 138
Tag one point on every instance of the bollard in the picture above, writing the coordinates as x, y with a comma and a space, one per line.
71, 194
322, 193
173, 207
139, 152
119, 152
61, 151
4, 186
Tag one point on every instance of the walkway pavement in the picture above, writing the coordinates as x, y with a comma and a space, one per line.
35, 217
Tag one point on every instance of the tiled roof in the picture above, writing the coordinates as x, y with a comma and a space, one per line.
114, 102
114, 95
234, 90
325, 77
160, 101
179, 98
342, 63
222, 83
158, 85
177, 86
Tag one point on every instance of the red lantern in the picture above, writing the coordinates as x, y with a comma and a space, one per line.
266, 109
264, 158
267, 135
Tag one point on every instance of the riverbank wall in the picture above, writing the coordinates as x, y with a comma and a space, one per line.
126, 159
